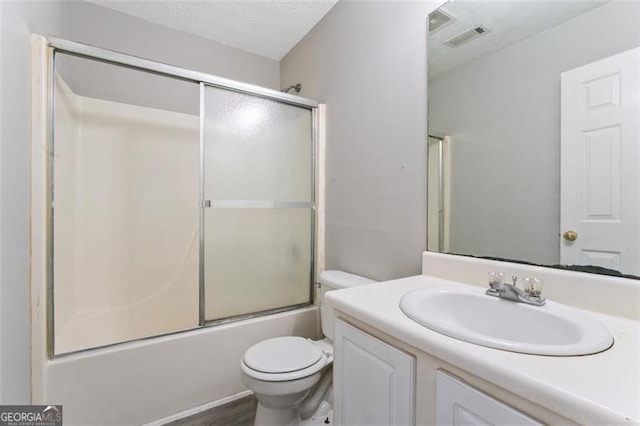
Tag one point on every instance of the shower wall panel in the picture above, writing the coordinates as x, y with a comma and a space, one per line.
125, 221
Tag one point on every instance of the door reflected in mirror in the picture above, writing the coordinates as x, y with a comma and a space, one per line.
537, 106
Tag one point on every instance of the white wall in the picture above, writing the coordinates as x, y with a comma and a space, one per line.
367, 62
18, 20
503, 113
1, 399
90, 24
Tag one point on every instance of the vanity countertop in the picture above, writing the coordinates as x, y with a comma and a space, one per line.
602, 388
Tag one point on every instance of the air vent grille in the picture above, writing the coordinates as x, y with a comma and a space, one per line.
467, 36
439, 19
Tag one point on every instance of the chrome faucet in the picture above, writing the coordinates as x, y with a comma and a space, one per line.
531, 294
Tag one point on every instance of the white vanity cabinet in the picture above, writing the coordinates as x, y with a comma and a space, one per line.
460, 404
374, 383
494, 386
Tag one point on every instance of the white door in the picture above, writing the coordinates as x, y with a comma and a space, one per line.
374, 383
438, 193
600, 156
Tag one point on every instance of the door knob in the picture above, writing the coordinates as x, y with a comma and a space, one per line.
570, 235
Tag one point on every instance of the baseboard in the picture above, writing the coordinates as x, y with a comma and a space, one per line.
199, 409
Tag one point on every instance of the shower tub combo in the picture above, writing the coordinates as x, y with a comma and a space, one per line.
152, 191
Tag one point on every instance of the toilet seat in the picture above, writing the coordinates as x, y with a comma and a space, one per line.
284, 358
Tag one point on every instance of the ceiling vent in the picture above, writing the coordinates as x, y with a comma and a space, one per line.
467, 36
439, 19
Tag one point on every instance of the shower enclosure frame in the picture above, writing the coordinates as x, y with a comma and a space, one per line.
58, 45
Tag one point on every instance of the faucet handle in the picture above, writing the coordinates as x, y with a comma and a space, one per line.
514, 278
533, 287
496, 280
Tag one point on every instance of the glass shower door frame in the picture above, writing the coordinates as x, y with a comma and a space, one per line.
57, 45
207, 204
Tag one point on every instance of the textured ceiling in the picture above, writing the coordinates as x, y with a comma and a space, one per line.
268, 28
508, 21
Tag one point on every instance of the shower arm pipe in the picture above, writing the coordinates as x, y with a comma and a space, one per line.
111, 56
297, 87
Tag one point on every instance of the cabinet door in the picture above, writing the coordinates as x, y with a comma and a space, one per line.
374, 383
460, 404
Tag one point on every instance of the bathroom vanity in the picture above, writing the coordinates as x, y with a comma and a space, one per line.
391, 370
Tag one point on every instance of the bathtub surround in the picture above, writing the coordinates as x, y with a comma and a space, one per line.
115, 164
126, 189
160, 376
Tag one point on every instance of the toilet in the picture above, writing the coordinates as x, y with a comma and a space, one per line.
292, 376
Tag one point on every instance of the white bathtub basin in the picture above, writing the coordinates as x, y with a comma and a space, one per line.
472, 316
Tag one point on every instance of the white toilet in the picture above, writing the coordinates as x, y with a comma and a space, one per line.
291, 376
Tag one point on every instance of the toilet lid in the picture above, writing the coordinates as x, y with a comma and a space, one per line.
282, 355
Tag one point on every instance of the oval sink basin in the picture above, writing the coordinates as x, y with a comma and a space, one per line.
472, 316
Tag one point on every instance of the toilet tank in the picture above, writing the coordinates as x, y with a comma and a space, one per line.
335, 280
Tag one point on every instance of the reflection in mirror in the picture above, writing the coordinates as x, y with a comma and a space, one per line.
438, 179
539, 104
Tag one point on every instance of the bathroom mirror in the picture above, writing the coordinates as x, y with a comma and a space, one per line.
498, 184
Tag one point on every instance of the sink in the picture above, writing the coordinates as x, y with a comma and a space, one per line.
472, 316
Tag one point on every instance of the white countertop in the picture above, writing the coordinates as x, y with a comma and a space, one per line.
602, 388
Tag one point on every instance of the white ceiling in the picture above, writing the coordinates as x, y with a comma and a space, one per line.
509, 22
271, 28
268, 28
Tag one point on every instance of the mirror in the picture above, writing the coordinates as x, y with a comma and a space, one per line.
519, 154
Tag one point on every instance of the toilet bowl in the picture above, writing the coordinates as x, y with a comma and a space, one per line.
291, 376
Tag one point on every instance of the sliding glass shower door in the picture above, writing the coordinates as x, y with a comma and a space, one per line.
257, 204
174, 200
